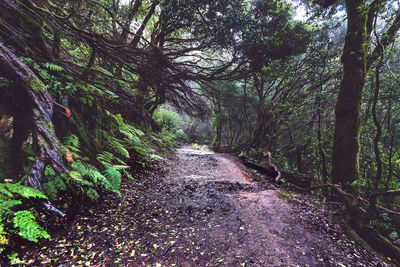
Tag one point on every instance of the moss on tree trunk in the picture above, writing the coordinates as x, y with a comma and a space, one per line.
346, 147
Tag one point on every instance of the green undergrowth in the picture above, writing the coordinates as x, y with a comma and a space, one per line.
17, 218
102, 148
99, 160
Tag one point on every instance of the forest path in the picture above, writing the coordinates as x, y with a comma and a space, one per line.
203, 209
240, 222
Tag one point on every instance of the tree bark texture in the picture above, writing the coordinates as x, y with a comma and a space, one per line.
346, 147
40, 111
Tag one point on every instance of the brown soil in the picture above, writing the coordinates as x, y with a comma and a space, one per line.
205, 209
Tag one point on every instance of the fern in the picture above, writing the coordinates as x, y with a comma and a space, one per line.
26, 60
92, 194
14, 260
117, 146
105, 158
3, 236
131, 134
28, 228
44, 74
156, 157
77, 177
72, 143
120, 167
127, 174
50, 189
4, 191
23, 191
23, 222
53, 67
54, 183
48, 171
114, 177
5, 206
84, 172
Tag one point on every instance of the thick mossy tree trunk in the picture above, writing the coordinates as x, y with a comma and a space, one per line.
39, 110
346, 146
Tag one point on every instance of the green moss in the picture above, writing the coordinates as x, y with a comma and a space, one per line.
36, 84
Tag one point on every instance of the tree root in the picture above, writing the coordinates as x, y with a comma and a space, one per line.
276, 175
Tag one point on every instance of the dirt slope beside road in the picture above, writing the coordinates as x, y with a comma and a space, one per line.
205, 210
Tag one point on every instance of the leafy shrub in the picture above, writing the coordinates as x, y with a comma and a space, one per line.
172, 124
167, 119
167, 138
180, 136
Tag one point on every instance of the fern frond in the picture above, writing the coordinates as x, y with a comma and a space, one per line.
6, 205
120, 167
105, 158
156, 157
72, 143
26, 60
48, 171
92, 194
127, 174
24, 191
53, 67
120, 161
28, 228
77, 177
50, 189
114, 177
95, 176
4, 191
78, 166
59, 183
126, 128
117, 146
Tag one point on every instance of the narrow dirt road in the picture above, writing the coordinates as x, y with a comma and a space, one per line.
205, 210
243, 223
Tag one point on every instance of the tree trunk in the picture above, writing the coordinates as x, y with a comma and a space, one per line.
346, 146
378, 127
50, 149
299, 159
324, 169
216, 143
392, 138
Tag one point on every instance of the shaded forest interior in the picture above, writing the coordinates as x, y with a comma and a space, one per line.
93, 92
